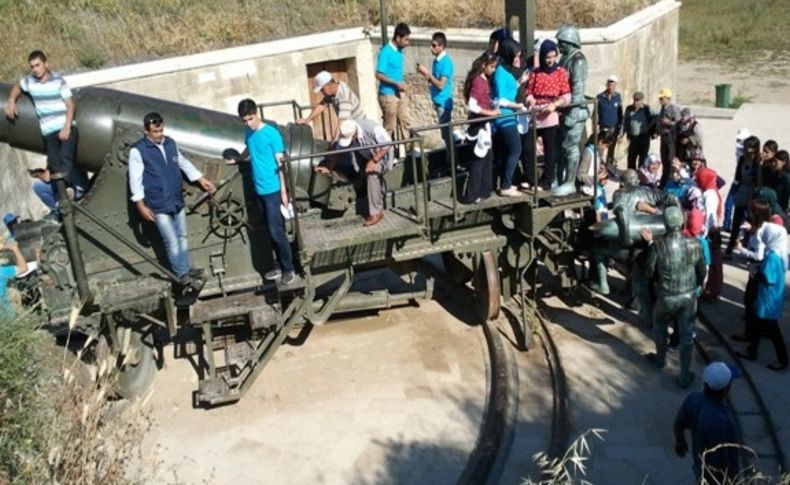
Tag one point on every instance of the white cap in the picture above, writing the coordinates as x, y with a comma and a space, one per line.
321, 80
348, 129
717, 376
612, 78
743, 134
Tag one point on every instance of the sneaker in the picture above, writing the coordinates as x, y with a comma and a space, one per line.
510, 192
289, 277
273, 275
525, 185
197, 273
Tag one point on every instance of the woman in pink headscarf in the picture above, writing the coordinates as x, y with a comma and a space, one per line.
714, 211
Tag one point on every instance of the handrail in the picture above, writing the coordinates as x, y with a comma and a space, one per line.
420, 217
417, 138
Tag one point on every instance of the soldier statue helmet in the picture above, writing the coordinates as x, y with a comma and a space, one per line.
568, 34
630, 178
673, 218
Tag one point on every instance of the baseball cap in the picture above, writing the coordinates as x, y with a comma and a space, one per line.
639, 95
743, 134
9, 218
718, 375
348, 129
321, 79
611, 78
665, 93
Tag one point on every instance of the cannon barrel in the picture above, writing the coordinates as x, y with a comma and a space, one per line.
100, 110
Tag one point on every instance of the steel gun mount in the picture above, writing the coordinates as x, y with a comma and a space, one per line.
106, 257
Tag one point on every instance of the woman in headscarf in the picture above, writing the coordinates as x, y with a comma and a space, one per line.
713, 208
695, 227
650, 171
507, 142
548, 88
770, 296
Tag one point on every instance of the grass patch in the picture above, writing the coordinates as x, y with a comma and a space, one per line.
56, 423
734, 31
89, 34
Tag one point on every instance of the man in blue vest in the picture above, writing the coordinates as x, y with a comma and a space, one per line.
155, 166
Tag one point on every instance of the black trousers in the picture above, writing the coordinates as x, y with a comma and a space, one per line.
769, 328
638, 146
551, 153
667, 155
481, 181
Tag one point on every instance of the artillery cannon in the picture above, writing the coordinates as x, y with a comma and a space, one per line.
114, 263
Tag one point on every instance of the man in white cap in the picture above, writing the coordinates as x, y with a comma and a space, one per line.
712, 423
374, 162
336, 94
610, 115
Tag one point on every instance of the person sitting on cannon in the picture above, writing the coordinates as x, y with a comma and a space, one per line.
634, 207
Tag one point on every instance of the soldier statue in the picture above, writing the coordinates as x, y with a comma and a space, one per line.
635, 207
675, 267
575, 118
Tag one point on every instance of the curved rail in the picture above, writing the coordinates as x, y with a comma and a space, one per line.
492, 448
560, 424
758, 399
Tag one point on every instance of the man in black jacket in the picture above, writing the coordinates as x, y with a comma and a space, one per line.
637, 126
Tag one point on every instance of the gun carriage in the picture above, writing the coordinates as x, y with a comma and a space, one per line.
104, 257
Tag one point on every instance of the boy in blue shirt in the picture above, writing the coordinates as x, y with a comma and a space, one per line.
7, 272
440, 79
266, 151
392, 88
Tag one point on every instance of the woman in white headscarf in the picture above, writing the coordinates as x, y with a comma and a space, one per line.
770, 295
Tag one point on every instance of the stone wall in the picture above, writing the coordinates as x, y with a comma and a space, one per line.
640, 49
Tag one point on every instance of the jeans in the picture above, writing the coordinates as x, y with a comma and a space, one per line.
270, 205
508, 151
173, 229
60, 154
444, 114
45, 191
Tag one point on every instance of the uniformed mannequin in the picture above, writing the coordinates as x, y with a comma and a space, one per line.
574, 119
676, 269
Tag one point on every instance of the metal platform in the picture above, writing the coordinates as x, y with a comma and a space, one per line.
324, 235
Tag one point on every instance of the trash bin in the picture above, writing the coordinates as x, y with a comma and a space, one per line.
723, 95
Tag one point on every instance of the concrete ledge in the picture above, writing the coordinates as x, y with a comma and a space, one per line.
709, 112
592, 35
212, 58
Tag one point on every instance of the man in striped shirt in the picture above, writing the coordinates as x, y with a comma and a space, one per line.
55, 110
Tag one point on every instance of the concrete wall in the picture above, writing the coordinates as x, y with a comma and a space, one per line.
640, 49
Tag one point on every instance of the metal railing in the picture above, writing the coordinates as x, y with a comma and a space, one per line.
298, 110
421, 213
420, 172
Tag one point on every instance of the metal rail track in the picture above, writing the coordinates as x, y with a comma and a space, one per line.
778, 454
492, 449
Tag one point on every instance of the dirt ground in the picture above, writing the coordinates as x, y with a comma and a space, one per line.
696, 81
